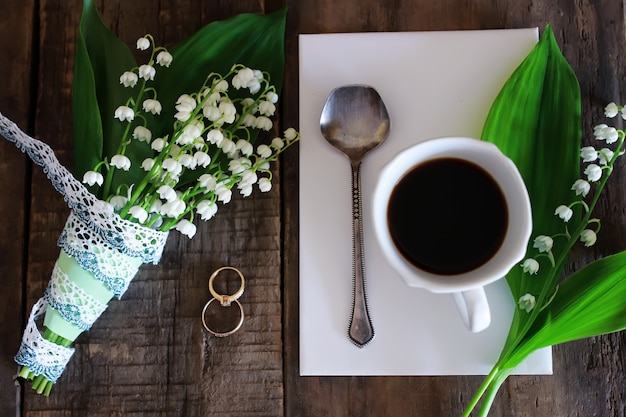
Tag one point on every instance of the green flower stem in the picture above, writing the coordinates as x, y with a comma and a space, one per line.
481, 391
516, 351
106, 189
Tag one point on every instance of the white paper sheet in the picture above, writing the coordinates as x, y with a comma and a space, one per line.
434, 84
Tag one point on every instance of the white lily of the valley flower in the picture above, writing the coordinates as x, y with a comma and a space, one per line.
120, 162
143, 43
245, 189
147, 164
265, 185
215, 137
147, 72
264, 151
118, 201
249, 120
156, 206
167, 193
291, 134
611, 110
186, 228
188, 161
272, 97
248, 177
208, 182
202, 159
245, 147
564, 212
172, 166
142, 134
173, 208
124, 113
263, 165
267, 108
527, 302
164, 59
605, 155
588, 154
263, 123
228, 111
588, 237
239, 165
174, 151
206, 209
185, 105
152, 106
277, 143
139, 213
158, 144
92, 177
530, 266
221, 86
224, 194
243, 77
129, 79
607, 133
254, 86
227, 146
211, 112
543, 243
581, 187
593, 172
190, 133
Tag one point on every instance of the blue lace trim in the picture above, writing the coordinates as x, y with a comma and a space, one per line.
88, 261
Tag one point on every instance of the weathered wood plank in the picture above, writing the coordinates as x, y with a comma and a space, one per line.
588, 374
15, 102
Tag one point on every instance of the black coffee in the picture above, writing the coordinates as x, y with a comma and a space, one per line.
447, 216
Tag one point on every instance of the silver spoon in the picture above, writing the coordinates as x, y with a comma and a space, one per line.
355, 121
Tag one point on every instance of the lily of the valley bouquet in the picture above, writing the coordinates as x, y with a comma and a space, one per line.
161, 146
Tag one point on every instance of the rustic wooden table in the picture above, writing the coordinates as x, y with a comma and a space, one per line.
148, 355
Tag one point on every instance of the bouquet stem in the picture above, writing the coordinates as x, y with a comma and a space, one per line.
41, 384
73, 300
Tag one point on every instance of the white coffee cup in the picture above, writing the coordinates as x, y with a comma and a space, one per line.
467, 287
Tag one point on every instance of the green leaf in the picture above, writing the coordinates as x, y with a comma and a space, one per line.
535, 120
100, 60
588, 303
253, 40
256, 41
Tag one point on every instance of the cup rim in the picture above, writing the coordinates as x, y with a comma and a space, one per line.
509, 180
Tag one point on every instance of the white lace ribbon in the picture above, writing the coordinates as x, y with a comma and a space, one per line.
41, 356
113, 268
129, 238
101, 242
72, 302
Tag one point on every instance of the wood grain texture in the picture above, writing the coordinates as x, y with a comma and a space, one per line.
148, 354
16, 103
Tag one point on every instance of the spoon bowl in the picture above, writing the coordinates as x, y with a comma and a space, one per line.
354, 121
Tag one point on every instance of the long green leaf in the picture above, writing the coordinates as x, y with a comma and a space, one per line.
256, 41
588, 303
253, 40
535, 120
100, 60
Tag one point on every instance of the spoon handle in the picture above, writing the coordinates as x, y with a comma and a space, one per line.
360, 330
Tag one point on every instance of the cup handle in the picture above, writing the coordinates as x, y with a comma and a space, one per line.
473, 308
